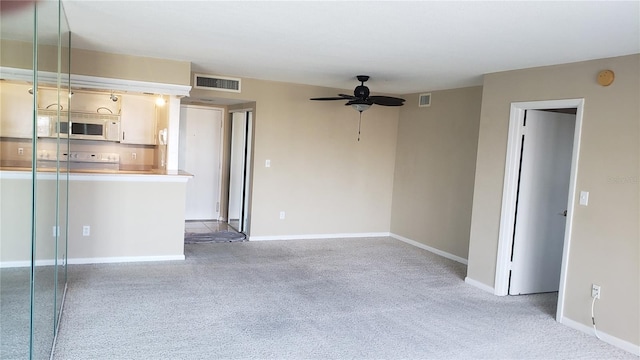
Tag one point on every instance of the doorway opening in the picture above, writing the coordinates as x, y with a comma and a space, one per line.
216, 149
538, 198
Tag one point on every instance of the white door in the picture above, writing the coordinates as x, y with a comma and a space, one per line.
237, 168
241, 126
542, 202
247, 174
199, 154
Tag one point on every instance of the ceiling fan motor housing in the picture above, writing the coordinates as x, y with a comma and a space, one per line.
361, 92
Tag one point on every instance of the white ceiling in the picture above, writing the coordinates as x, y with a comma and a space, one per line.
404, 46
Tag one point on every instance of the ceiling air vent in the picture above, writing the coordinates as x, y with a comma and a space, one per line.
214, 82
424, 100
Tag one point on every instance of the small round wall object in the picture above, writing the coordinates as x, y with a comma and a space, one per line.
605, 77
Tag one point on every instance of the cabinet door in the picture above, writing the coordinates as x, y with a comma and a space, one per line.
81, 101
48, 99
16, 110
101, 103
138, 120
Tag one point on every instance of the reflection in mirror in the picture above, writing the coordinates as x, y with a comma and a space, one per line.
48, 229
33, 215
63, 170
17, 32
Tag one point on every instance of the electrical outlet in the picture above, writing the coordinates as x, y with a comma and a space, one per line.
595, 291
281, 215
20, 151
134, 156
86, 230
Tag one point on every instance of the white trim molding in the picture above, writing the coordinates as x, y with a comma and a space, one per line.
26, 263
97, 83
430, 249
123, 259
318, 236
479, 285
96, 260
609, 339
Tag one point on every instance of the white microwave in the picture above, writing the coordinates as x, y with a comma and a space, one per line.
86, 126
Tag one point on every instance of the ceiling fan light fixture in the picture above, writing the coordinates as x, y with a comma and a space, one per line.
360, 107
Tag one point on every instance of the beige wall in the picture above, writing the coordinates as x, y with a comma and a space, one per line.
15, 217
605, 244
118, 66
127, 218
321, 176
18, 54
123, 224
435, 165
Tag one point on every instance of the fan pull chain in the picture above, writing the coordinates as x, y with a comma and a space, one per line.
359, 123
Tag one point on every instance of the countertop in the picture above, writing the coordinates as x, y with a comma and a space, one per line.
7, 172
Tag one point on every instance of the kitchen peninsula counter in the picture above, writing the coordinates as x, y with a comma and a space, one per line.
103, 171
100, 174
134, 215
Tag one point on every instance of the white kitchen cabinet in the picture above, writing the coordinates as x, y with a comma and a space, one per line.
81, 101
16, 110
48, 99
138, 120
101, 103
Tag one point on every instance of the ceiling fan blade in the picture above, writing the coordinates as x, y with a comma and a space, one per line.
351, 97
328, 98
387, 100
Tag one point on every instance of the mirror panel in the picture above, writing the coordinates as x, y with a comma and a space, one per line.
33, 210
63, 170
46, 214
17, 30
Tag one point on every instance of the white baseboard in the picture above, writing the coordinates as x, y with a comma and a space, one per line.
97, 260
317, 236
429, 248
26, 263
610, 339
479, 285
121, 259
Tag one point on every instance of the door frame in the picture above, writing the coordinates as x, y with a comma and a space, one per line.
510, 186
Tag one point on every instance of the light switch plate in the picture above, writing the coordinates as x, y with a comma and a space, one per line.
267, 163
584, 198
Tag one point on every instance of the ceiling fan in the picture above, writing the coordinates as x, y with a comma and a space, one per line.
361, 101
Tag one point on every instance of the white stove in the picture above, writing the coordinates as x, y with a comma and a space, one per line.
80, 159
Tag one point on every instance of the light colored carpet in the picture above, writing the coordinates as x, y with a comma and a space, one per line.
374, 298
15, 311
